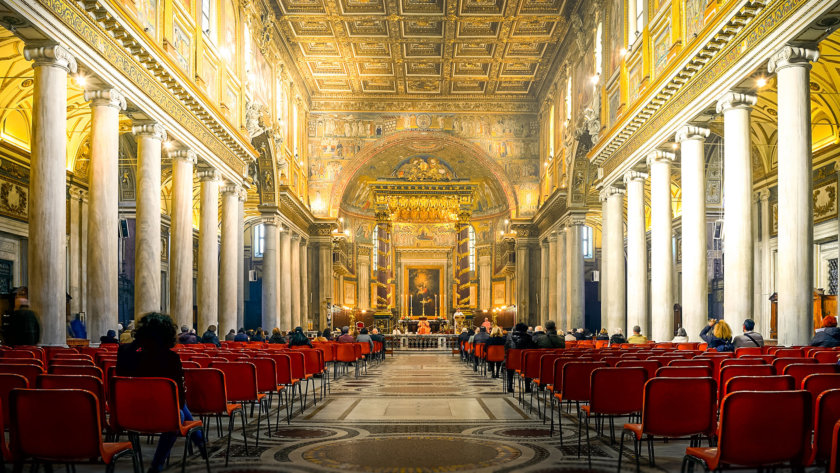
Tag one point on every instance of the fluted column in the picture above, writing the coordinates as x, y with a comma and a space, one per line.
544, 276
694, 280
229, 275
485, 296
792, 66
614, 243
303, 249
47, 189
575, 300
325, 272
240, 259
637, 270
181, 239
208, 250
270, 274
295, 273
603, 267
737, 216
561, 313
103, 213
364, 282
552, 277
147, 227
285, 248
75, 250
661, 254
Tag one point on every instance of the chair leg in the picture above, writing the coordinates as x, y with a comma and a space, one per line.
230, 435
620, 451
267, 418
259, 420
588, 445
135, 442
244, 434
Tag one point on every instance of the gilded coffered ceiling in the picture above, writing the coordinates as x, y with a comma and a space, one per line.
464, 50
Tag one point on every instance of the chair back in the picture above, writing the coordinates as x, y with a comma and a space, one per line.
206, 391
71, 362
749, 436
694, 362
747, 351
684, 372
298, 362
68, 381
729, 372
758, 383
30, 372
240, 379
311, 361
71, 356
18, 354
61, 425
650, 366
531, 363
282, 368
794, 352
617, 391
742, 362
781, 363
266, 374
693, 398
8, 382
145, 405
345, 353
801, 371
576, 379
496, 353
365, 346
546, 374
513, 359
76, 369
827, 356
817, 383
826, 414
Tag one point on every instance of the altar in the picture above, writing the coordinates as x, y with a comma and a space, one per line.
411, 325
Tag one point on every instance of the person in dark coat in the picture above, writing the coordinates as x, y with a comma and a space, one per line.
22, 326
150, 355
829, 336
464, 337
258, 335
110, 337
210, 336
496, 338
618, 338
550, 339
277, 337
299, 339
519, 339
538, 332
603, 335
231, 336
718, 335
345, 336
241, 336
480, 338
187, 337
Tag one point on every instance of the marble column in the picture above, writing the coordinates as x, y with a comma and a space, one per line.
295, 273
285, 248
523, 281
303, 249
575, 300
270, 274
544, 277
552, 277
614, 243
208, 251
604, 267
661, 253
147, 246
695, 289
75, 270
485, 284
103, 212
229, 275
241, 278
737, 217
83, 231
47, 248
325, 280
637, 269
181, 239
560, 312
763, 324
364, 282
792, 66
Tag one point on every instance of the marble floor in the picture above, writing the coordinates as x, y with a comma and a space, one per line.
416, 413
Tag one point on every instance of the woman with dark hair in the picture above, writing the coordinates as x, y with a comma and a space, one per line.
276, 336
150, 355
298, 338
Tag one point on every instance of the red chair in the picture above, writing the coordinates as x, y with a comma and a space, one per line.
650, 366
150, 406
30, 372
683, 372
826, 356
8, 382
207, 397
574, 386
739, 352
496, 354
748, 437
817, 383
513, 362
695, 400
789, 353
66, 381
363, 352
18, 354
71, 356
267, 380
62, 426
545, 378
299, 370
781, 363
283, 367
71, 362
758, 383
834, 464
768, 359
22, 361
613, 392
76, 369
742, 362
345, 353
242, 386
801, 371
531, 371
729, 372
694, 362
826, 414
312, 366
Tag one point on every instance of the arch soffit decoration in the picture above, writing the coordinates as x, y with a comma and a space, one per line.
372, 150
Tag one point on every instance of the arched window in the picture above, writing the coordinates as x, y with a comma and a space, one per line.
472, 248
259, 240
374, 260
586, 241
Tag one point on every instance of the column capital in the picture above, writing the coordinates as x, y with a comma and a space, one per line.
272, 220
229, 188
76, 193
295, 236
763, 194
610, 191
691, 132
242, 193
735, 100
208, 174
630, 176
789, 56
152, 130
659, 156
105, 97
551, 237
52, 55
303, 242
184, 154
576, 219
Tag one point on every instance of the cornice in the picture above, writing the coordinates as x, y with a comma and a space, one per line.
293, 209
465, 104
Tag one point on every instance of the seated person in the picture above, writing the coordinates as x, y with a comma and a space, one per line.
276, 336
637, 337
345, 336
299, 339
681, 336
829, 336
110, 337
720, 337
241, 336
187, 337
750, 337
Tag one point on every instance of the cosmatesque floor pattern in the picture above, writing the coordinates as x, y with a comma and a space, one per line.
415, 413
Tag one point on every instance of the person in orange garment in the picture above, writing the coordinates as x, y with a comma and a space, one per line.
423, 328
